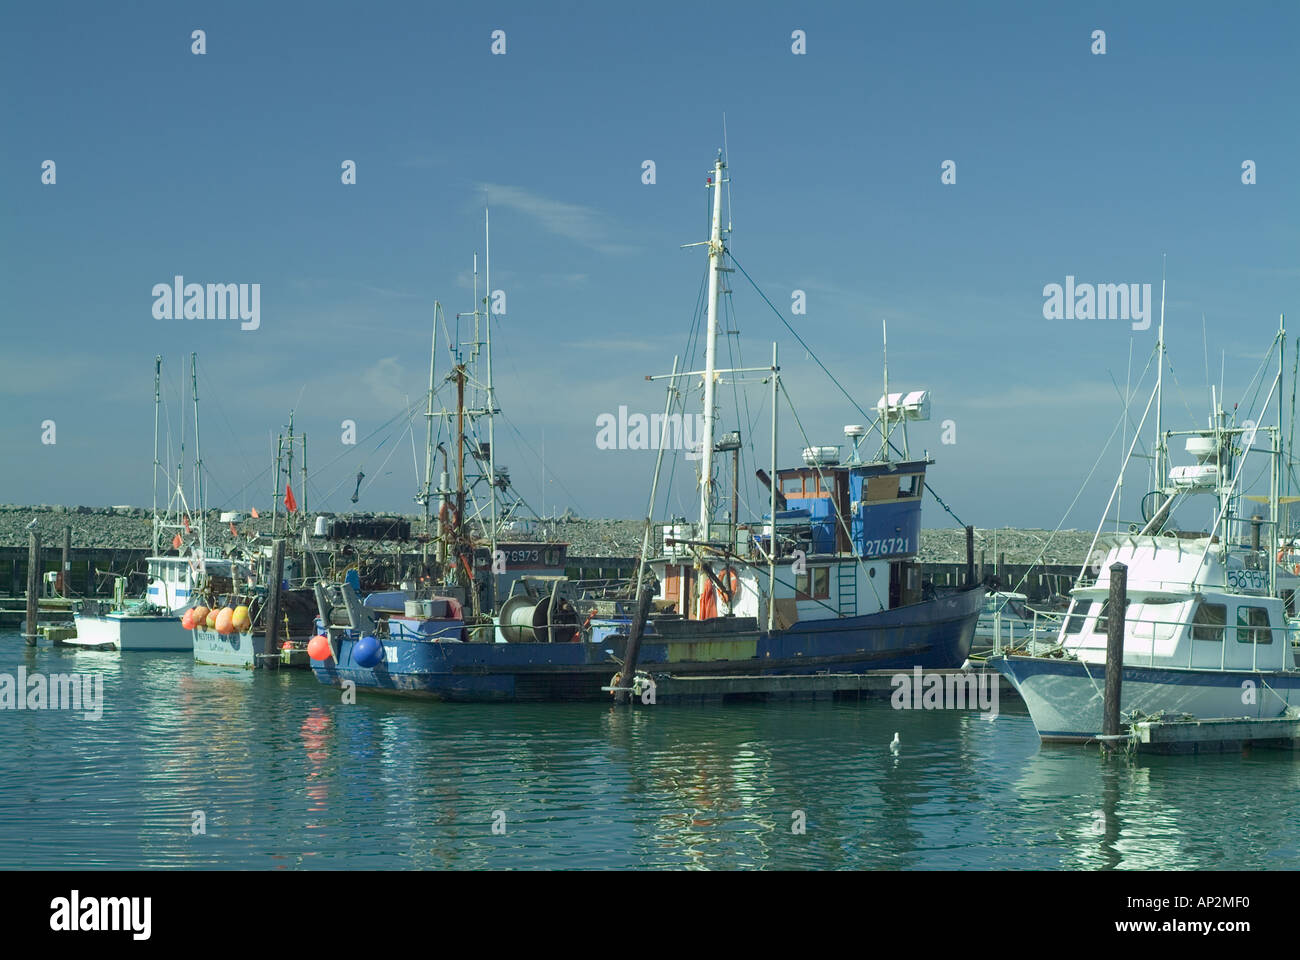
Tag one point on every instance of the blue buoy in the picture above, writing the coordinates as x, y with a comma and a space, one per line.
368, 652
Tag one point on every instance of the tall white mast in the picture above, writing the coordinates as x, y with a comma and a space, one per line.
771, 541
710, 352
428, 439
491, 403
1161, 448
1279, 463
157, 400
198, 458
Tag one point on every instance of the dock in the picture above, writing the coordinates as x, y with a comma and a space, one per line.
1226, 735
871, 684
13, 611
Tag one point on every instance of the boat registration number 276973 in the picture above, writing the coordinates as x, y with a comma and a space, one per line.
884, 545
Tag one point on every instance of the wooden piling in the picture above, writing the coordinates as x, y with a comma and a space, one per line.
970, 556
65, 566
271, 655
33, 586
633, 649
1114, 652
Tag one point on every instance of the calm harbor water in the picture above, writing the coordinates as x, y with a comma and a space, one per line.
288, 776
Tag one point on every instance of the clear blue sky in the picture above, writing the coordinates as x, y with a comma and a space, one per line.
226, 168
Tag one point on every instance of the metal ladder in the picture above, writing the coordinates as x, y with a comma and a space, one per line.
846, 576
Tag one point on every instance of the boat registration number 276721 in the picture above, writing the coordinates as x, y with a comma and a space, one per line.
884, 545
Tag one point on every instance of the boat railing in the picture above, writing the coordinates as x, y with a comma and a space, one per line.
1042, 623
603, 587
1133, 651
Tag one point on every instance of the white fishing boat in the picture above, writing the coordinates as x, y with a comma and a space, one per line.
133, 625
1208, 626
153, 622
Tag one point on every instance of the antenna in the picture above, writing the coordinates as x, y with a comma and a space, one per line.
726, 160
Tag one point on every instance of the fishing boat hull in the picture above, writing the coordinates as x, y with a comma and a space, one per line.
129, 632
244, 650
224, 650
1065, 696
934, 634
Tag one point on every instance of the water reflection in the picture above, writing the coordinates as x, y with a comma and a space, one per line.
288, 776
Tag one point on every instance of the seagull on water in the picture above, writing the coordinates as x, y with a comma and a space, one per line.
895, 745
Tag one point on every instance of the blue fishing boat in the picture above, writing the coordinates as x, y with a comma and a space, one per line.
827, 581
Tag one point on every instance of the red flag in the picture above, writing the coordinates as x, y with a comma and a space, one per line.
233, 532
255, 513
176, 541
187, 523
290, 503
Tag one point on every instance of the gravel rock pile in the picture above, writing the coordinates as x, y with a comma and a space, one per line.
126, 528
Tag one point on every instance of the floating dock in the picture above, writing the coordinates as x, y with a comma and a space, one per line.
54, 634
872, 684
1215, 736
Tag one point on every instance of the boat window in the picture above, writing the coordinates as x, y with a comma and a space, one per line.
1078, 614
1253, 625
882, 488
1102, 626
1209, 622
910, 486
1149, 618
819, 485
813, 585
1288, 602
792, 486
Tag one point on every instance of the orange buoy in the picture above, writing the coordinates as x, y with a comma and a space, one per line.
240, 620
318, 648
200, 616
223, 622
187, 620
